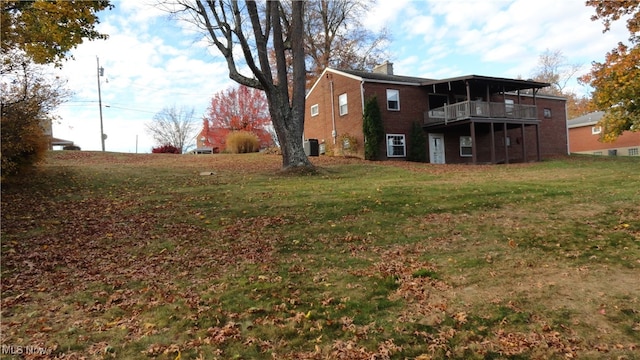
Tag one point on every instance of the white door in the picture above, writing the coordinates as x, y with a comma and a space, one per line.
436, 148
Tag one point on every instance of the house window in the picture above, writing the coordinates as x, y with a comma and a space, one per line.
465, 146
393, 100
595, 130
633, 152
342, 102
547, 113
315, 110
396, 145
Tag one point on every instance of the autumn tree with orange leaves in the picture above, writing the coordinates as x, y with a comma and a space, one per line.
237, 109
47, 30
615, 81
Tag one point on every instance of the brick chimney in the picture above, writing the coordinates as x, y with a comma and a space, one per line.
384, 68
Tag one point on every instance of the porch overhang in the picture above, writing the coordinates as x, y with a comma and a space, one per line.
467, 121
463, 84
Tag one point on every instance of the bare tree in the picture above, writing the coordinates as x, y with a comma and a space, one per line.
172, 126
243, 32
335, 36
553, 68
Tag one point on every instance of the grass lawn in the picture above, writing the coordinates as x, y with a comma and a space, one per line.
128, 256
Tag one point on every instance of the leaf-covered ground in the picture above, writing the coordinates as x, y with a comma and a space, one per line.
139, 256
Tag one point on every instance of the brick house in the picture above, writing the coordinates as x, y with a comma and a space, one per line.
584, 138
53, 142
469, 119
207, 142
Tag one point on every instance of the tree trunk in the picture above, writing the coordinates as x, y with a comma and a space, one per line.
288, 118
288, 123
225, 23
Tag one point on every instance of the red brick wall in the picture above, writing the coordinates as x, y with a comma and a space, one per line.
582, 140
553, 130
413, 104
321, 126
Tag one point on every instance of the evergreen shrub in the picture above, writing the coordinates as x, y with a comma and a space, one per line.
417, 144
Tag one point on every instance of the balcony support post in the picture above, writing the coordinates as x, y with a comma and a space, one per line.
493, 144
474, 153
506, 146
524, 144
538, 142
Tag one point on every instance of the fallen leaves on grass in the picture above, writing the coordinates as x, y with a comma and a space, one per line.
89, 260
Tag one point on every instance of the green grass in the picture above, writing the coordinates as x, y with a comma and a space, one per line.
138, 256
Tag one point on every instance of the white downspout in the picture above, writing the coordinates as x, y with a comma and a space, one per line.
334, 134
362, 100
362, 94
566, 124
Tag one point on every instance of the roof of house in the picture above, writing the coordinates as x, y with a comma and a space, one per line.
60, 142
384, 77
504, 83
585, 120
507, 84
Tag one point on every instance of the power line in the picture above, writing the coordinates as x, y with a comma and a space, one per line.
124, 108
130, 109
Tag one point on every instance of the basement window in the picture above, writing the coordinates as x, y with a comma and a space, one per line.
466, 146
396, 145
633, 152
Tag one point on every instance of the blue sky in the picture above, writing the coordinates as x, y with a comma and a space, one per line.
152, 62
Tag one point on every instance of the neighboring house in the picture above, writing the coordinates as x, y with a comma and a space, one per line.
53, 142
584, 138
213, 140
468, 119
47, 128
207, 141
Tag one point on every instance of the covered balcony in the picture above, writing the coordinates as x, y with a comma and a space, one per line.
466, 110
487, 112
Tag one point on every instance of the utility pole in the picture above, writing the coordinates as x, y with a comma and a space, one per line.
100, 73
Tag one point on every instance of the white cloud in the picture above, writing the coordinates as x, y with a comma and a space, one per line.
385, 12
149, 64
152, 62
508, 34
420, 25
